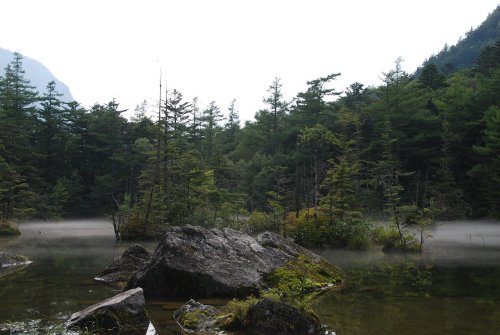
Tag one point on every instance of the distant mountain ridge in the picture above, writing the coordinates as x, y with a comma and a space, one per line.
37, 73
464, 54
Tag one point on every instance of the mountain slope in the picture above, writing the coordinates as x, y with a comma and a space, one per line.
37, 73
465, 53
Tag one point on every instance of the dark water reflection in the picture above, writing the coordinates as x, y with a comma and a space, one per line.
66, 256
453, 288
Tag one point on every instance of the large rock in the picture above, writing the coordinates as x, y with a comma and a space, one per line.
118, 272
124, 313
192, 262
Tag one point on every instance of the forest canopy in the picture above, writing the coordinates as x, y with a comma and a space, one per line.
406, 147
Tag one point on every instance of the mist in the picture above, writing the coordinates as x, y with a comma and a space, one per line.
450, 243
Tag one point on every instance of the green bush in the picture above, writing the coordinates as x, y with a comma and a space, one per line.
358, 241
7, 230
316, 228
389, 237
259, 221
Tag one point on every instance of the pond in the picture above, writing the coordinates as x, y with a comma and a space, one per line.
453, 288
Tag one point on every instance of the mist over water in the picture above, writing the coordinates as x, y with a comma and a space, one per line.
451, 243
75, 238
464, 243
68, 228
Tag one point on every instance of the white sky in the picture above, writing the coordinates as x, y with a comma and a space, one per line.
224, 49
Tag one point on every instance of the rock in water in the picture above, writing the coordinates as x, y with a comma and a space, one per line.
124, 313
264, 316
192, 261
134, 258
276, 317
10, 263
196, 317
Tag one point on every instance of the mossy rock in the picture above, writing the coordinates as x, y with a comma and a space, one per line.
266, 316
6, 229
196, 317
304, 275
277, 317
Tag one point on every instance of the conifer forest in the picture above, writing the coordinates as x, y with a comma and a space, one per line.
320, 167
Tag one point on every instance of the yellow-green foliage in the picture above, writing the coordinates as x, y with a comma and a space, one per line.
310, 227
6, 229
259, 221
302, 276
297, 283
236, 312
191, 319
389, 237
318, 227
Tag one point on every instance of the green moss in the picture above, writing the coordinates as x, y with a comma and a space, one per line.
302, 276
191, 319
7, 230
297, 283
235, 313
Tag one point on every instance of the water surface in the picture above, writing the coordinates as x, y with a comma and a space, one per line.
452, 288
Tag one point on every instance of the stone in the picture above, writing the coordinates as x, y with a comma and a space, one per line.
193, 262
10, 263
196, 317
276, 317
118, 272
255, 316
124, 313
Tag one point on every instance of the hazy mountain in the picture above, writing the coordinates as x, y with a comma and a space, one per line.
37, 73
464, 54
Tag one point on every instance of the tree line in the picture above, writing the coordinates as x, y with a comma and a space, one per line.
313, 167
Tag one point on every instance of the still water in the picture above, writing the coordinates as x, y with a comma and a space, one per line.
452, 288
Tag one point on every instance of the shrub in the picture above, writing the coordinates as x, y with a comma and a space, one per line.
389, 237
7, 230
316, 228
259, 221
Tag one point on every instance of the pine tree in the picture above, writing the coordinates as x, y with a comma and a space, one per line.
232, 128
51, 135
17, 119
211, 128
18, 159
275, 111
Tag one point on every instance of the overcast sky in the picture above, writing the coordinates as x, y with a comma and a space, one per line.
227, 49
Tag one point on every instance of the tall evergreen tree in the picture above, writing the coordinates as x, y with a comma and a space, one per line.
211, 128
